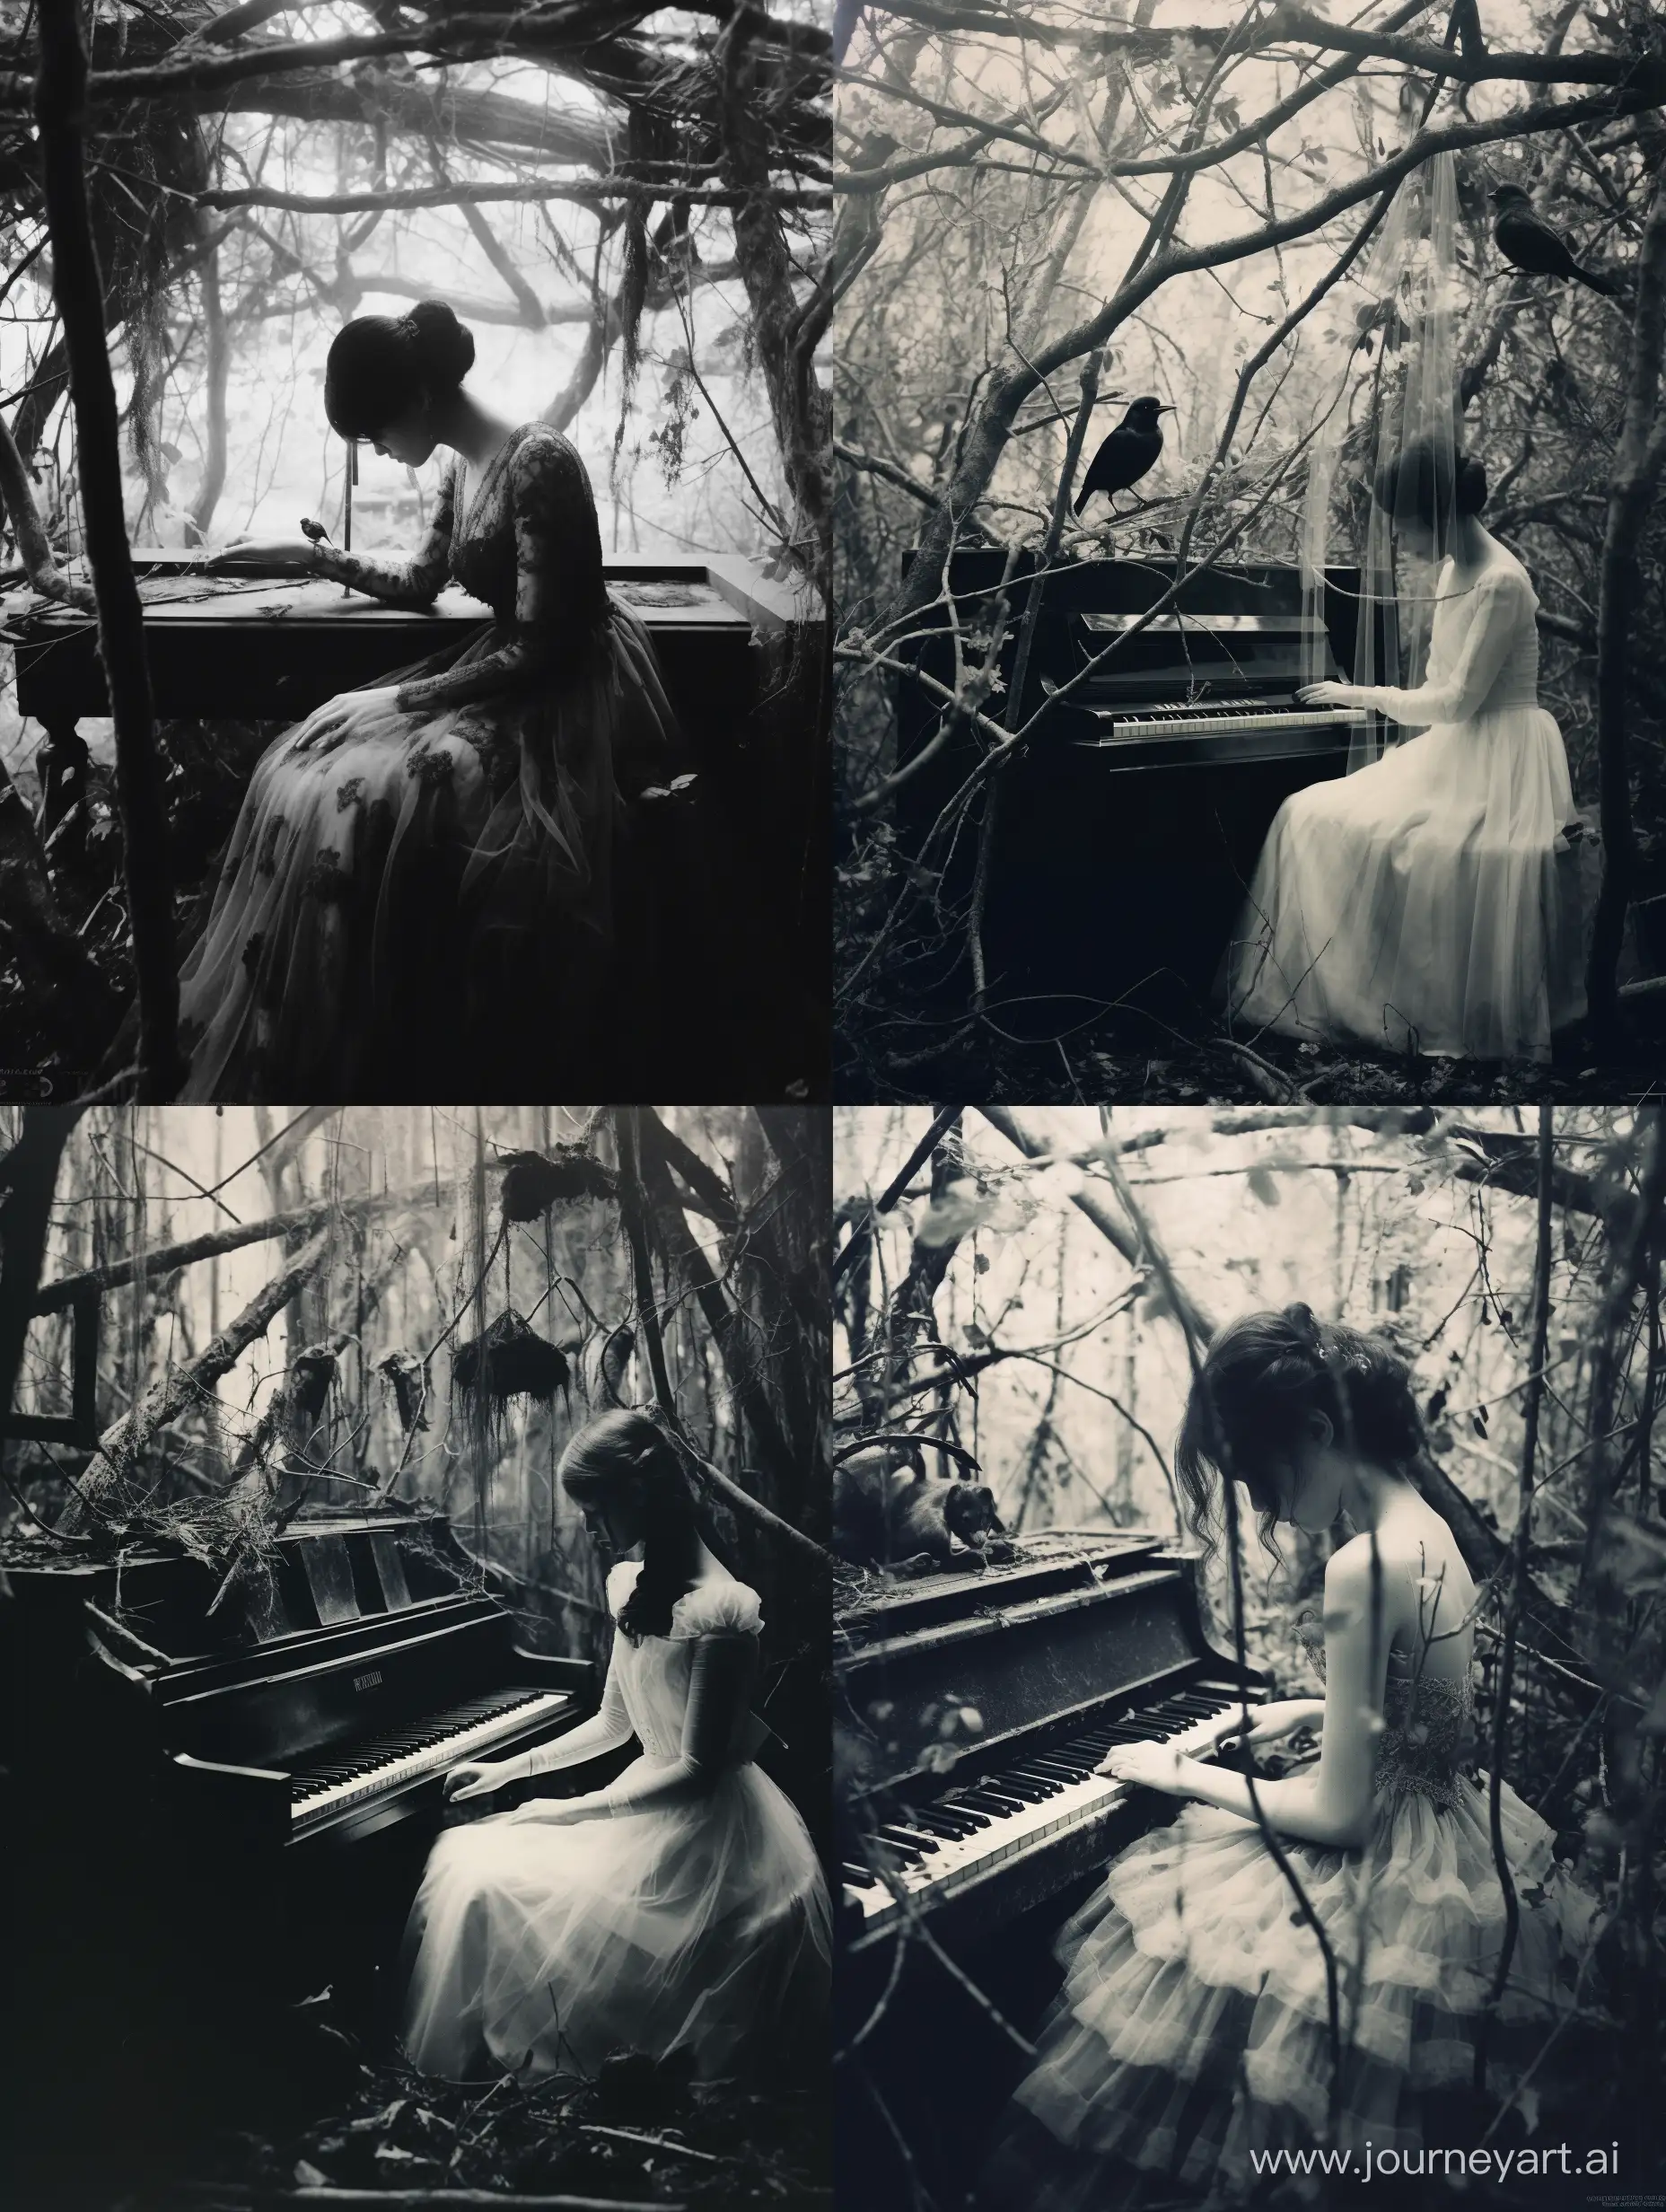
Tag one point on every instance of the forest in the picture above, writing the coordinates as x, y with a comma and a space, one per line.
1020, 1300
219, 1330
1228, 210
630, 213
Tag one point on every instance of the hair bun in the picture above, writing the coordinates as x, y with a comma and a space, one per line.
443, 348
1305, 1327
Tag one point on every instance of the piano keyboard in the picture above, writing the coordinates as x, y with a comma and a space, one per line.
935, 1849
377, 1765
1248, 716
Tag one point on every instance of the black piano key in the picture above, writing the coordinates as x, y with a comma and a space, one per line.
909, 1840
859, 1877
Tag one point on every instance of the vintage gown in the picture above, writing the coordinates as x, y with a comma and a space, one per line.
701, 1927
440, 886
1432, 901
1192, 2027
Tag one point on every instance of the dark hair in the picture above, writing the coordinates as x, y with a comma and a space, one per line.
628, 1449
1259, 1384
1429, 483
379, 364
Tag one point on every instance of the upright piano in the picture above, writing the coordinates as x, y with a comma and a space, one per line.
214, 1812
1130, 822
970, 1712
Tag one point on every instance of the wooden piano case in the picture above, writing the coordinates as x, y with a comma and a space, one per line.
1112, 874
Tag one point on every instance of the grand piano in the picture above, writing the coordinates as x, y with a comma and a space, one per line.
212, 1813
970, 1711
1130, 822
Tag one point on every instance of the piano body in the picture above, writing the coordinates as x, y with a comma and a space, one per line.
742, 668
211, 1815
1130, 823
970, 1711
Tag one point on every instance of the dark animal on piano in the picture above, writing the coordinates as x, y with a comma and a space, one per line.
888, 1512
1193, 2033
1164, 743
677, 1912
1435, 901
1132, 451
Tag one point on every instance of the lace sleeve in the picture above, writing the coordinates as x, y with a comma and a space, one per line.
559, 580
411, 582
1461, 691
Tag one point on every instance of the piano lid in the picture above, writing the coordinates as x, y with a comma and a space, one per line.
327, 1569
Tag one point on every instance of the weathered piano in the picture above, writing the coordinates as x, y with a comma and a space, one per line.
971, 1712
1130, 822
212, 1814
742, 656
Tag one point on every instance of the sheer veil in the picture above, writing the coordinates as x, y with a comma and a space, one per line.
1399, 384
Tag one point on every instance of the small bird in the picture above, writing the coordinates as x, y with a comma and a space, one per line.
1127, 453
1528, 242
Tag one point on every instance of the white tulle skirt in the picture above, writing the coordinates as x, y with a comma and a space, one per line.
700, 1928
1193, 2027
1433, 902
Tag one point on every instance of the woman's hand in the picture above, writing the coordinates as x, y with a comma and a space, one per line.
554, 1812
342, 718
1332, 695
1150, 1766
1270, 1724
476, 1777
239, 551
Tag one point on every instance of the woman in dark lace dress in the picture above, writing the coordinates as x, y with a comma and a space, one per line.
419, 889
1193, 2030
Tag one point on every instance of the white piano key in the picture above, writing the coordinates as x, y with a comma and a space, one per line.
954, 1866
431, 1759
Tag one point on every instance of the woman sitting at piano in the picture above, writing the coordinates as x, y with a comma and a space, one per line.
422, 870
1194, 2030
1432, 902
679, 1911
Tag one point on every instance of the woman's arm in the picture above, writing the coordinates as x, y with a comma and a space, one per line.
720, 1688
411, 582
1332, 1805
1462, 690
557, 577
607, 1728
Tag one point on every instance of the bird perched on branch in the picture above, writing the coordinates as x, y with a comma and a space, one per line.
1528, 242
1127, 453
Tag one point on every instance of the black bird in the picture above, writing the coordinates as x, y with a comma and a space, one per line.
1131, 449
1528, 242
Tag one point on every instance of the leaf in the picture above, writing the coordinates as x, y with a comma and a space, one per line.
1477, 1422
1264, 1186
980, 1263
956, 1210
308, 2176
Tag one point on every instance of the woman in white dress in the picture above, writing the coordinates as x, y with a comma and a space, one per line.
681, 1911
1432, 902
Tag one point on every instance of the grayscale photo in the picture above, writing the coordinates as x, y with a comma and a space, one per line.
1247, 1656
413, 1620
413, 610
1248, 449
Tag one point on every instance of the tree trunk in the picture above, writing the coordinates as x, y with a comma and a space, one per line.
60, 98
1636, 469
29, 1176
219, 360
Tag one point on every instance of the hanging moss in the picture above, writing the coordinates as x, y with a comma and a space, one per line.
534, 1183
508, 1360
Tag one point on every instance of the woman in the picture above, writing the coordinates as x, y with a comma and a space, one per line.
681, 1908
423, 868
1193, 2030
1432, 902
